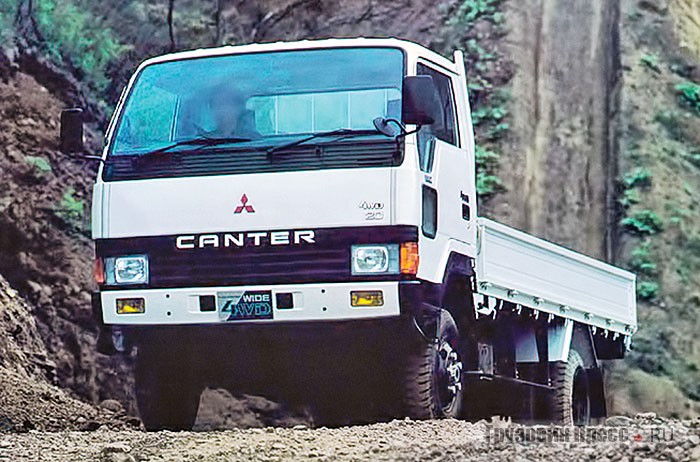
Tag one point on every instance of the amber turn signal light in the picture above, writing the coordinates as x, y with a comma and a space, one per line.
98, 271
409, 258
131, 305
366, 298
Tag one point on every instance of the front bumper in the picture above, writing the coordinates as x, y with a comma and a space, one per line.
312, 302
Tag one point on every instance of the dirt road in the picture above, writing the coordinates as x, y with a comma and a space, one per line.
640, 439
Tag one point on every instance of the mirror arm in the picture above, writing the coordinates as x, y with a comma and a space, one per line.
90, 157
79, 156
405, 133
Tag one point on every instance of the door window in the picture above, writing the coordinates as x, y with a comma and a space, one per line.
445, 126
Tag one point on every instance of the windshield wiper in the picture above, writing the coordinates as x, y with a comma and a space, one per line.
341, 132
202, 141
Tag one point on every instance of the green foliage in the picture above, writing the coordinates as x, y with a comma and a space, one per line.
71, 31
641, 261
70, 209
651, 61
7, 8
689, 95
671, 121
469, 22
40, 164
647, 290
655, 352
693, 158
470, 10
637, 178
629, 198
497, 131
489, 113
487, 183
643, 223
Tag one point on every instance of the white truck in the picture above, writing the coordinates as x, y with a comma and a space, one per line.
299, 220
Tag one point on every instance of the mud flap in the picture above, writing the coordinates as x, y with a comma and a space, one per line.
597, 393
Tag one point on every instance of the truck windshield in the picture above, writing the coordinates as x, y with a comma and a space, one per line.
258, 99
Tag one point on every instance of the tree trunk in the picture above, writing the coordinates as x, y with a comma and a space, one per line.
217, 22
171, 28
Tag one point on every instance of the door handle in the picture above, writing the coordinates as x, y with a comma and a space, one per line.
466, 209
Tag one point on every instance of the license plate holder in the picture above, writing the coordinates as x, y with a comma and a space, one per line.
244, 305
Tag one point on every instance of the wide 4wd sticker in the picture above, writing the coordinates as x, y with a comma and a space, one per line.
251, 304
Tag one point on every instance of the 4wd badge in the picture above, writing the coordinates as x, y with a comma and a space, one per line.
251, 304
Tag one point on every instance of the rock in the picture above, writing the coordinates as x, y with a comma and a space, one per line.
116, 447
111, 405
695, 453
300, 427
645, 415
657, 6
694, 440
618, 421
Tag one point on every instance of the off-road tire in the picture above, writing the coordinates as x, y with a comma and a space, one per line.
422, 398
570, 401
167, 392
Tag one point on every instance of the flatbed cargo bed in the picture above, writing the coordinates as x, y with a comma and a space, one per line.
535, 273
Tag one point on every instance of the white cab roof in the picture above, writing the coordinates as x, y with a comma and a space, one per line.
411, 48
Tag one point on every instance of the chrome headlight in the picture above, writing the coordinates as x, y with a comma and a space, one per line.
131, 269
375, 259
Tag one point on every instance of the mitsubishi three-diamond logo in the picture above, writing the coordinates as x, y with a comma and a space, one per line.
244, 206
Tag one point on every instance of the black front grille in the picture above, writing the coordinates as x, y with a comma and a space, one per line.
327, 260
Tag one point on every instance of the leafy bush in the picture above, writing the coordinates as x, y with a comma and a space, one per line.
487, 183
39, 163
494, 113
7, 9
629, 198
641, 262
70, 209
643, 222
647, 290
651, 61
671, 121
637, 178
470, 10
693, 158
72, 32
689, 94
655, 352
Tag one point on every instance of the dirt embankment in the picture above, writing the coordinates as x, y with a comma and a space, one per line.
28, 401
558, 164
45, 250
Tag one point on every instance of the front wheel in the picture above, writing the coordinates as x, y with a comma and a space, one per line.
167, 392
432, 380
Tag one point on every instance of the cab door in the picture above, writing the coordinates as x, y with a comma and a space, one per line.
448, 191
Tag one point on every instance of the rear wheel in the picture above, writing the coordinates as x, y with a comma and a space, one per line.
570, 401
167, 392
432, 380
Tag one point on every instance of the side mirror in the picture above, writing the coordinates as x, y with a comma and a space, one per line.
72, 131
421, 101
